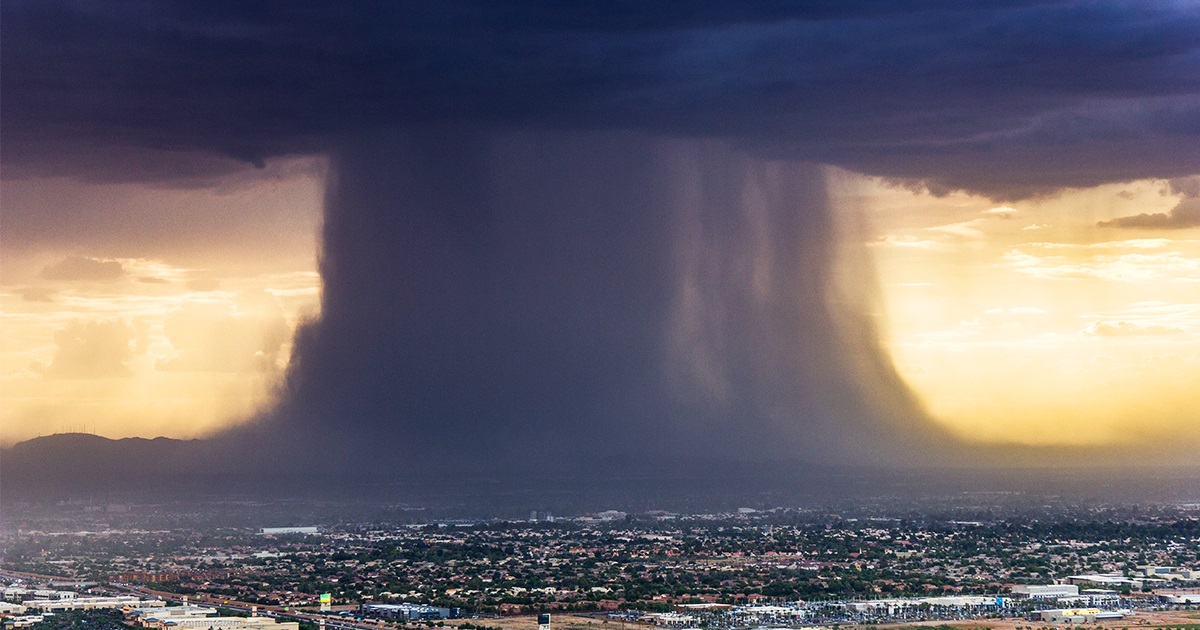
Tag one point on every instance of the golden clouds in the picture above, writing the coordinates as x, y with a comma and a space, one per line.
1045, 330
130, 334
148, 358
93, 349
82, 268
244, 334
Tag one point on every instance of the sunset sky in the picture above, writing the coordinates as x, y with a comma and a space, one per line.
1058, 320
853, 231
153, 310
1036, 322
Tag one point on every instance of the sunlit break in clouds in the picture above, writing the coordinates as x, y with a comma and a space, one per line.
652, 237
140, 321
1070, 320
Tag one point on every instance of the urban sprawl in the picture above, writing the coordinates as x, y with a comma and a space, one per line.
743, 569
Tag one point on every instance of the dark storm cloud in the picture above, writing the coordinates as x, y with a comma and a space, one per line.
1008, 98
1186, 186
563, 231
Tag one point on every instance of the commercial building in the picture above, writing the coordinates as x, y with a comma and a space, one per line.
8, 609
268, 531
702, 606
90, 603
25, 621
200, 618
1167, 573
671, 620
149, 615
893, 606
1105, 579
21, 593
224, 623
1045, 591
1079, 615
1097, 598
408, 612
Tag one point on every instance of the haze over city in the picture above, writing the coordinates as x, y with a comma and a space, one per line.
382, 239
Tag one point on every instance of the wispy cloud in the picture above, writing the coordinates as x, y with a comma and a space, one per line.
965, 229
1016, 310
1129, 329
1137, 243
1184, 215
1122, 268
81, 268
893, 240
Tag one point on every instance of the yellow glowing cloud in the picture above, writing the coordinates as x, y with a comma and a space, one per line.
1056, 329
130, 344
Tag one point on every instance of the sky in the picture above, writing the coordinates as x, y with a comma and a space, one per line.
152, 310
1064, 321
849, 231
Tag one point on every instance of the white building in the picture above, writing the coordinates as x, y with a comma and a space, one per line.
1045, 591
671, 620
1105, 579
189, 617
1167, 573
8, 609
224, 623
49, 593
268, 531
149, 615
25, 621
1080, 615
89, 603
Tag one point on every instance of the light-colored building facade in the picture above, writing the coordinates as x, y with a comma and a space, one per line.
89, 603
1045, 591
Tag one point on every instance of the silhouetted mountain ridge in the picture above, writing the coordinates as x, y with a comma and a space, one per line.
85, 462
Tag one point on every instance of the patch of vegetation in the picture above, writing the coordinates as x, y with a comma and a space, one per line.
475, 626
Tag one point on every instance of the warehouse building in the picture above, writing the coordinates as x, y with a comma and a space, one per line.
1079, 615
224, 623
145, 616
91, 603
408, 612
8, 609
200, 618
1108, 580
283, 531
1045, 591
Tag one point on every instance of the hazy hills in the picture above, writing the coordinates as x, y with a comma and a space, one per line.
91, 467
82, 462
